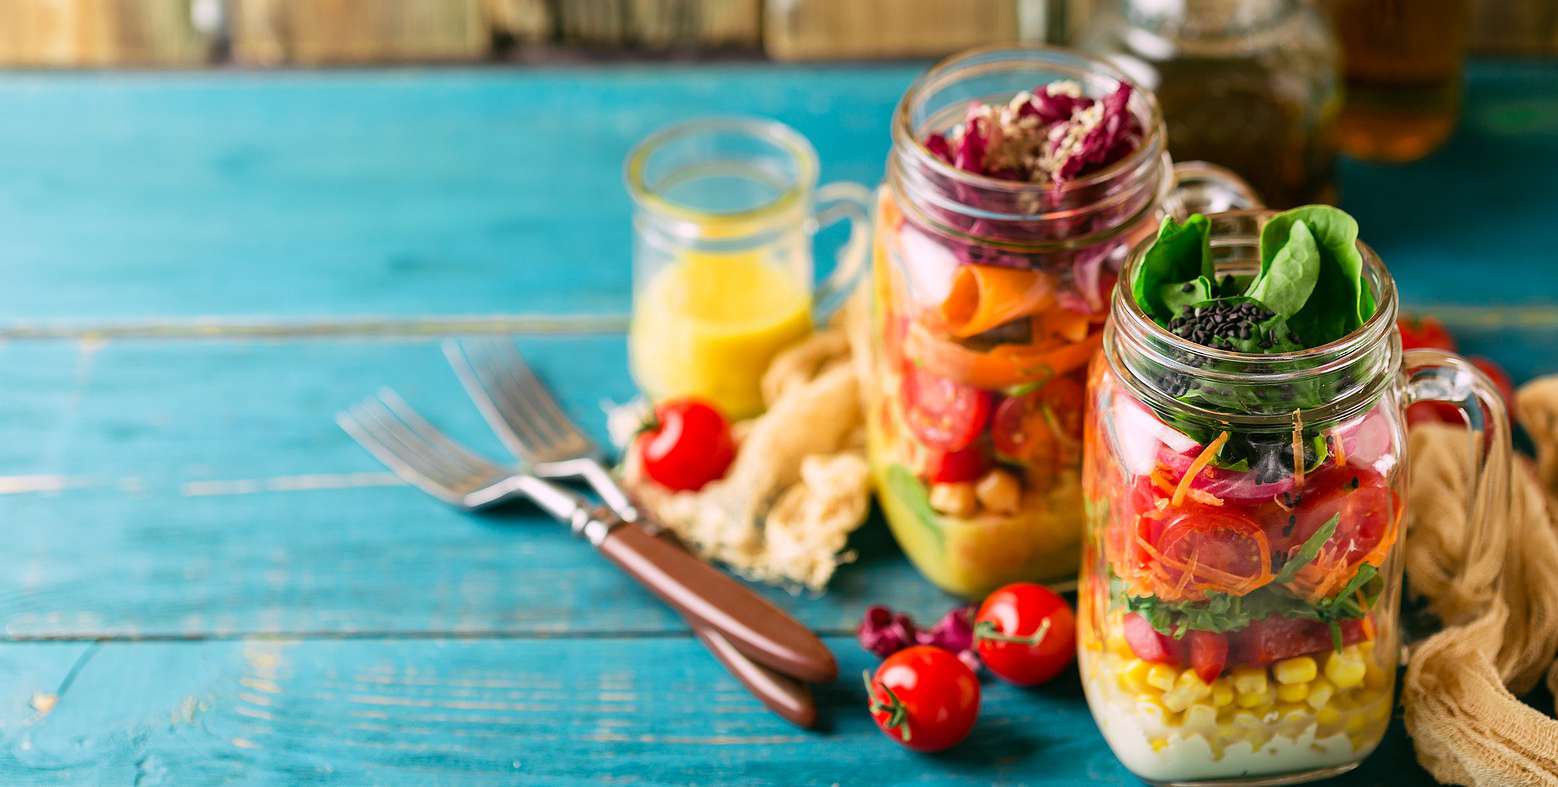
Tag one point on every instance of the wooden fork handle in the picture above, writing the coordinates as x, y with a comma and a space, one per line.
704, 593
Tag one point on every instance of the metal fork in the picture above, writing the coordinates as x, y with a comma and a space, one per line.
526, 417
422, 456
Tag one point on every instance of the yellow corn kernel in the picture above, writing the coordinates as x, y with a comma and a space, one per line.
1222, 693
1296, 670
1201, 716
1161, 676
1293, 692
1374, 677
1188, 689
1356, 721
1118, 645
1343, 671
1249, 680
1260, 701
1251, 728
1294, 719
1150, 707
1320, 693
1328, 716
1133, 676
1158, 743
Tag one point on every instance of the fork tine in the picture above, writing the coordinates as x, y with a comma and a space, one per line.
492, 399
531, 397
391, 459
454, 451
413, 450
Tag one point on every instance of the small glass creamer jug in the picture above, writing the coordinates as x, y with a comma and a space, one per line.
725, 213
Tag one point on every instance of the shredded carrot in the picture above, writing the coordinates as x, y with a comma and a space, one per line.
1201, 461
1337, 450
1298, 449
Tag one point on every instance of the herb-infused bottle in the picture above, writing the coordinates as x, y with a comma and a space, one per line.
1244, 473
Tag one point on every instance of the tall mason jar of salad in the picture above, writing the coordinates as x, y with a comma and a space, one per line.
1018, 179
1244, 477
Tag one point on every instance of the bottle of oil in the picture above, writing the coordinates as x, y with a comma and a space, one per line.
1253, 85
1403, 63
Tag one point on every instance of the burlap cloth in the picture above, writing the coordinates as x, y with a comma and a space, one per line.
1496, 590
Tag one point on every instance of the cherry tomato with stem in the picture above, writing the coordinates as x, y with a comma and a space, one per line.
1025, 633
686, 444
924, 698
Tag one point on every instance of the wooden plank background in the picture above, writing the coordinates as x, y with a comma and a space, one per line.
207, 582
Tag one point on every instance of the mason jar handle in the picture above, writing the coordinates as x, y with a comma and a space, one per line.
1203, 187
835, 201
1439, 376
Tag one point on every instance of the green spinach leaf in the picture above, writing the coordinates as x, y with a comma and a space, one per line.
1340, 299
1285, 285
1182, 252
1176, 295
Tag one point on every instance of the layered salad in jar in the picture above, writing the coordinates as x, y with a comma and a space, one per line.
1237, 613
984, 329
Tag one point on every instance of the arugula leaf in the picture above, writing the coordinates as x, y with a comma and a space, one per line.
1285, 285
902, 484
1339, 302
1176, 296
1181, 252
1309, 551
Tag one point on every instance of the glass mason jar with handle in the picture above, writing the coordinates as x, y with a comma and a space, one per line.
1203, 657
989, 299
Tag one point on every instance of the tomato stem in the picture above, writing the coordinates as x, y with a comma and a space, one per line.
987, 630
897, 714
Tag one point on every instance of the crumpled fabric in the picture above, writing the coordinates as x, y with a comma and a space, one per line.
1496, 589
799, 484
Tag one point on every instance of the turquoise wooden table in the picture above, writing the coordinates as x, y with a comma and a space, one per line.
205, 581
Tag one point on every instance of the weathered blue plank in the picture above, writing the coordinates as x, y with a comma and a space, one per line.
653, 710
191, 488
154, 196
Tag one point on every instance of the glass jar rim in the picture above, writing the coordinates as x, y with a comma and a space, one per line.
994, 57
693, 222
1130, 324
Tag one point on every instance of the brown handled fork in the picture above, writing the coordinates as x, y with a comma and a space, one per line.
424, 457
526, 417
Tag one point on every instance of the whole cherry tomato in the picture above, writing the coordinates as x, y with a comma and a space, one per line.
924, 698
686, 445
1424, 332
1042, 424
1025, 633
950, 467
943, 413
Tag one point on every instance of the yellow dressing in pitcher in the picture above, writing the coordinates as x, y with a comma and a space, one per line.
707, 325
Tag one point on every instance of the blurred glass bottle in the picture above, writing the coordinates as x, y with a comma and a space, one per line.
1403, 63
1253, 85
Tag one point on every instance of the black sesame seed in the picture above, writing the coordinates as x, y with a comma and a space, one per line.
1189, 287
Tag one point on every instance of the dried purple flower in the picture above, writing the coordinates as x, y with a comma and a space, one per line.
971, 147
885, 632
937, 145
954, 632
1050, 107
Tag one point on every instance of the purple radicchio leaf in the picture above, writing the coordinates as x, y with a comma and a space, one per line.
973, 144
1103, 143
954, 632
885, 632
1052, 107
937, 145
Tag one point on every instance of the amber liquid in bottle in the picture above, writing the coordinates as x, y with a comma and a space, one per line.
1403, 64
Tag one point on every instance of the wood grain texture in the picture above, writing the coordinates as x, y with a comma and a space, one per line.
414, 193
334, 32
177, 489
97, 33
653, 711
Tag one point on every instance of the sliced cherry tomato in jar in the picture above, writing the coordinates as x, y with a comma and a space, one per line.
686, 445
1204, 548
1276, 638
1429, 332
941, 412
1042, 424
924, 698
1360, 497
1208, 653
951, 467
1025, 633
1149, 644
